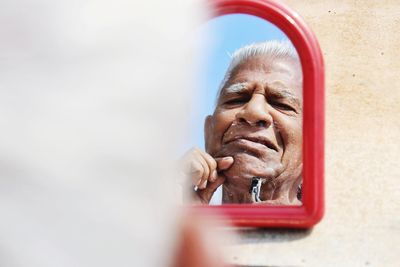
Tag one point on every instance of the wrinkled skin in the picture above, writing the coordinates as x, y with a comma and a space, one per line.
260, 126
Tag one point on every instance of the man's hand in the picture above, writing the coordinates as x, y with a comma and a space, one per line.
204, 172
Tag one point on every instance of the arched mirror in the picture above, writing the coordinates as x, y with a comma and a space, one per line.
255, 147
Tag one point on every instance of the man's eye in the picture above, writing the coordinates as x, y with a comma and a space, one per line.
236, 101
283, 106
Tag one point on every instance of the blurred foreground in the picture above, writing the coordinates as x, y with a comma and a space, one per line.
92, 102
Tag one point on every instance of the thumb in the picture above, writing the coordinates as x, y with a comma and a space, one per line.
224, 163
214, 185
207, 193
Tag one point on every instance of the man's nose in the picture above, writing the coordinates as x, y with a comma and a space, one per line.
256, 112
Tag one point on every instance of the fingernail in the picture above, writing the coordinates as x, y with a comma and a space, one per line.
203, 185
214, 176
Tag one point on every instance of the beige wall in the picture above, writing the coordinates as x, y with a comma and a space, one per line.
361, 45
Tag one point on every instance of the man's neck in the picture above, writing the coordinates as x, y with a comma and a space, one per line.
283, 194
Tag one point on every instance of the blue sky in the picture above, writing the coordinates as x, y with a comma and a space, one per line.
227, 33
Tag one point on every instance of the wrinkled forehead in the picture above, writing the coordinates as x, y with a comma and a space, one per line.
278, 73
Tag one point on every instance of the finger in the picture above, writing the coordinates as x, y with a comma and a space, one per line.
203, 185
213, 176
206, 171
196, 172
224, 163
212, 186
212, 164
209, 191
210, 160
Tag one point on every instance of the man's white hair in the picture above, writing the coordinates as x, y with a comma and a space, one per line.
271, 49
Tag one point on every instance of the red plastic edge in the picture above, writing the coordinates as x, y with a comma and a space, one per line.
307, 46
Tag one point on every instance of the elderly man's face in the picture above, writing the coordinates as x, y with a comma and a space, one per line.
258, 121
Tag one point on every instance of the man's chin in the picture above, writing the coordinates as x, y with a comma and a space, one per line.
246, 166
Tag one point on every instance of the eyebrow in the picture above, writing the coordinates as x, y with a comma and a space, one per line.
281, 93
235, 88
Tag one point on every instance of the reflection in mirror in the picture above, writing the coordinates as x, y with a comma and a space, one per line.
246, 141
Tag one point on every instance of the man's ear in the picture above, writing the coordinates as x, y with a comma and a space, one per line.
208, 131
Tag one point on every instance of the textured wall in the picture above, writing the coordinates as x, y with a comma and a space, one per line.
360, 41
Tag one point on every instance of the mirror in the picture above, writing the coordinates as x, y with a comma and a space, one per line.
255, 147
246, 125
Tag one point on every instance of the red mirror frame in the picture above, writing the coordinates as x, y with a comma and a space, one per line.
307, 46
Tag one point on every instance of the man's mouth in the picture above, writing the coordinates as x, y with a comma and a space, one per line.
255, 139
